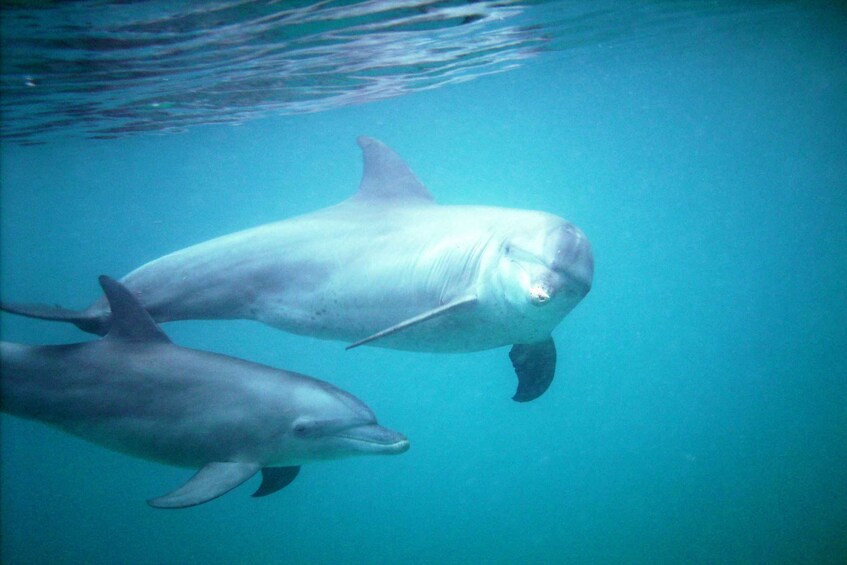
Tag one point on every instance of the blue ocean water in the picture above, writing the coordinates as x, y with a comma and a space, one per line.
699, 411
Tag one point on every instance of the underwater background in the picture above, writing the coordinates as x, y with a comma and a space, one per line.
699, 410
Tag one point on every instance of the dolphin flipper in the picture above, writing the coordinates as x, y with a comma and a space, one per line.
535, 365
428, 315
213, 480
276, 478
80, 318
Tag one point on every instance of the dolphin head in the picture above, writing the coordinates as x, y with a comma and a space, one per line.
546, 272
329, 423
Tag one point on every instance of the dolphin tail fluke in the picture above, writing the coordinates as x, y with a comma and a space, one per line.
535, 365
82, 319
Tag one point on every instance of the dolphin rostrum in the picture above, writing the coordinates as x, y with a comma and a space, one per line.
136, 392
387, 267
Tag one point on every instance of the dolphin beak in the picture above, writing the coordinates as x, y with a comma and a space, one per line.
374, 439
539, 295
574, 259
582, 270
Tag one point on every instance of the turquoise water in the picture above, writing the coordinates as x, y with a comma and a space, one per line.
699, 411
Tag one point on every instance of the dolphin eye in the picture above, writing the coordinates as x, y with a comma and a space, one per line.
301, 428
520, 254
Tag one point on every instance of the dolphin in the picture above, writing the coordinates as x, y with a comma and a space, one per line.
387, 267
136, 392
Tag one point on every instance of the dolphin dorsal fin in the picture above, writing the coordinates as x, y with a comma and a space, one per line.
130, 321
387, 178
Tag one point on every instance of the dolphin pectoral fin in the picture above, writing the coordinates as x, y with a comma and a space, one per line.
434, 313
213, 480
535, 365
276, 478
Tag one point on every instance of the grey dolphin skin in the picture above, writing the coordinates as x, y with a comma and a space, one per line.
388, 267
136, 392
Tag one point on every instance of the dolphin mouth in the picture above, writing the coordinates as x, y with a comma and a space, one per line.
376, 439
580, 284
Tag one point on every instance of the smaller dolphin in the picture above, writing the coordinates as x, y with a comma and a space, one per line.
136, 392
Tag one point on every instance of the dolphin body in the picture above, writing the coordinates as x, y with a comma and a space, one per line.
388, 267
136, 392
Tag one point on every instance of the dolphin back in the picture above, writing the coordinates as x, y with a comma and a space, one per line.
22, 392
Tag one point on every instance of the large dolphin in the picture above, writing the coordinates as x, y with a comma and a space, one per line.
387, 267
134, 391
